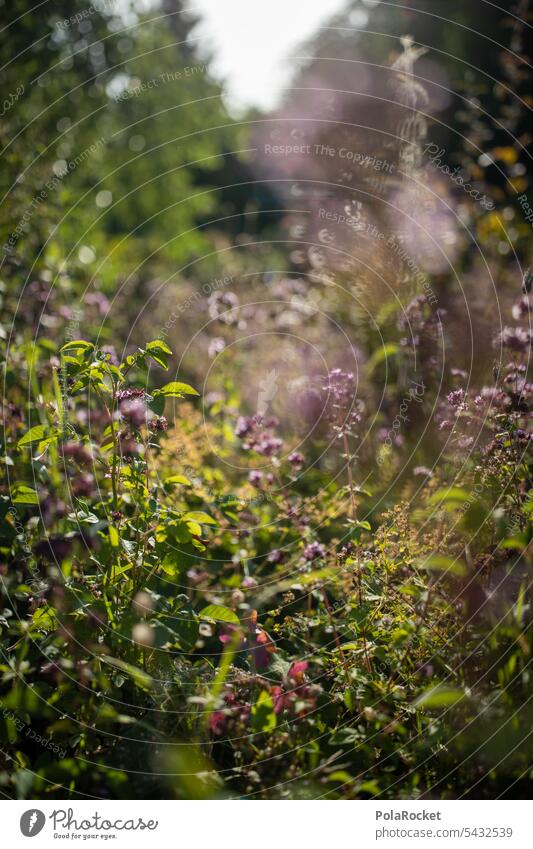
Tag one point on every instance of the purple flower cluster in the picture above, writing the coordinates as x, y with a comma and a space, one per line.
276, 556
257, 436
517, 339
342, 409
255, 477
267, 445
314, 551
134, 411
127, 394
296, 459
78, 452
502, 408
457, 399
244, 427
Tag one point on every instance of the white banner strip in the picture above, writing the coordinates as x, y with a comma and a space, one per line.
266, 825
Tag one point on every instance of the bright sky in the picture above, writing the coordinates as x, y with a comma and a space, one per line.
252, 40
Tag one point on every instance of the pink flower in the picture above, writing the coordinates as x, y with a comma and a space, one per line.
279, 699
296, 671
217, 722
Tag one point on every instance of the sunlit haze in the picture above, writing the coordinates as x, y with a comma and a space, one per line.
252, 43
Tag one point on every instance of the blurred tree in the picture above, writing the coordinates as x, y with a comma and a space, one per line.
114, 140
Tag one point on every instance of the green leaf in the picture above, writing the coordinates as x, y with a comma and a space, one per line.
340, 776
381, 355
23, 494
44, 619
179, 630
171, 564
218, 613
159, 358
349, 647
518, 542
114, 538
193, 528
358, 529
176, 390
175, 479
438, 563
43, 445
157, 405
141, 678
450, 497
439, 696
34, 434
263, 718
83, 516
199, 516
158, 345
77, 344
